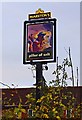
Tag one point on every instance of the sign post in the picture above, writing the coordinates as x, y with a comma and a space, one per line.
39, 81
39, 44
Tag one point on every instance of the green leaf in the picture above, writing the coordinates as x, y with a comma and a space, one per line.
23, 110
54, 72
59, 67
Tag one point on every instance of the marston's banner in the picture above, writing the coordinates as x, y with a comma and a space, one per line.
39, 14
39, 41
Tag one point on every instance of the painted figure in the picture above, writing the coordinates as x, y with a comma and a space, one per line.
41, 43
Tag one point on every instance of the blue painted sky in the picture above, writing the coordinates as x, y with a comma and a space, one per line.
68, 34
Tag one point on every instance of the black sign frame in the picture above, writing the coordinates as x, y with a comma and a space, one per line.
41, 55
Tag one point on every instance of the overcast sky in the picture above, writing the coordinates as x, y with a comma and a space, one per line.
68, 35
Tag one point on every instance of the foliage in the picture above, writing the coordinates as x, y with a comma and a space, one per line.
14, 113
55, 101
52, 104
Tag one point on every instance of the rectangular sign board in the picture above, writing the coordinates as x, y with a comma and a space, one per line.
39, 41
